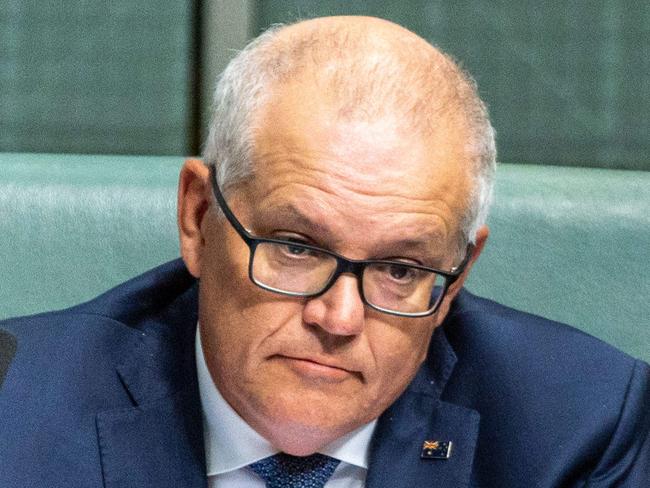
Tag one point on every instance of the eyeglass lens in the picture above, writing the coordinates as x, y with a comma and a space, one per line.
303, 271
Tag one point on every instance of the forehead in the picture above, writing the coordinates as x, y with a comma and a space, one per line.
308, 157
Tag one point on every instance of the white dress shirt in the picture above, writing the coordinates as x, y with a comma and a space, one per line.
231, 444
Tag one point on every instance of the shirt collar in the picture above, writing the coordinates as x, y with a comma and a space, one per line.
230, 443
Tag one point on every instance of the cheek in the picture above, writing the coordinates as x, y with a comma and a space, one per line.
398, 353
236, 316
225, 295
227, 311
234, 333
225, 290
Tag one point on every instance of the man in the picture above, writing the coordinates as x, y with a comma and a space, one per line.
316, 330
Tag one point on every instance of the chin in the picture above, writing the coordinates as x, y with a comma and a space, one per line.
301, 425
299, 439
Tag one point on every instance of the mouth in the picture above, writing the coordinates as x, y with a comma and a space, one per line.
316, 369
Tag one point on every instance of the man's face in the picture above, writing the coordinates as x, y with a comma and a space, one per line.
303, 372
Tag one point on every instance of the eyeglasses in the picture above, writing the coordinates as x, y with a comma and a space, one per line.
302, 270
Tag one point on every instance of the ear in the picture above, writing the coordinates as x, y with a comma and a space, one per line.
481, 237
193, 201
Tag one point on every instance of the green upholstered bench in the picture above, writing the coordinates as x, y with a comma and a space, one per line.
571, 244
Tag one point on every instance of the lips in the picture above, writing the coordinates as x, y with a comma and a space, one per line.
316, 368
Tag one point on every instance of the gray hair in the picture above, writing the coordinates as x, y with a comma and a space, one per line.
423, 88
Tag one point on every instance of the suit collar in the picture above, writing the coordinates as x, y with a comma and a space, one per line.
419, 415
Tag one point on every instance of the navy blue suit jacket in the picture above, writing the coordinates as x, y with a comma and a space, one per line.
105, 394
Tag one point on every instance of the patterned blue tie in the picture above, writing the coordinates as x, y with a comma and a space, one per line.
286, 471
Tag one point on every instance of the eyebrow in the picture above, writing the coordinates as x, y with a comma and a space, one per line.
291, 214
428, 243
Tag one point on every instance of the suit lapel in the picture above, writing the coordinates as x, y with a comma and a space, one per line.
417, 416
395, 459
157, 444
159, 441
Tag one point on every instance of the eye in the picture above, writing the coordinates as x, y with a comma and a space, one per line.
395, 274
295, 250
401, 273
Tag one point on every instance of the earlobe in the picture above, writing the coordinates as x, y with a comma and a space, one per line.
193, 201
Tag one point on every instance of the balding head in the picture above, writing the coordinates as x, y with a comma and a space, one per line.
367, 69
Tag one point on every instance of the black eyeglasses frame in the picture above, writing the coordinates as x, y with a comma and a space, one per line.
343, 264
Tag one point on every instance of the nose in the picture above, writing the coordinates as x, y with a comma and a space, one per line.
340, 310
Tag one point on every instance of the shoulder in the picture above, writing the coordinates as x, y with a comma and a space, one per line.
78, 349
67, 368
482, 330
539, 385
127, 307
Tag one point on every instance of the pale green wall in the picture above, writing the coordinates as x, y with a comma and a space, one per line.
95, 76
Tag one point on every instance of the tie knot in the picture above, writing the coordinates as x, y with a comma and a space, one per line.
286, 471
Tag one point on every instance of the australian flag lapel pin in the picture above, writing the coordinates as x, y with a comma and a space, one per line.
436, 450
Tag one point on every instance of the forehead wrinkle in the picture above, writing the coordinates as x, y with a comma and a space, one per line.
381, 204
292, 214
348, 179
290, 155
313, 214
393, 193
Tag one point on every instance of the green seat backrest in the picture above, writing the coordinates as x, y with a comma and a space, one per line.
568, 243
73, 226
572, 244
